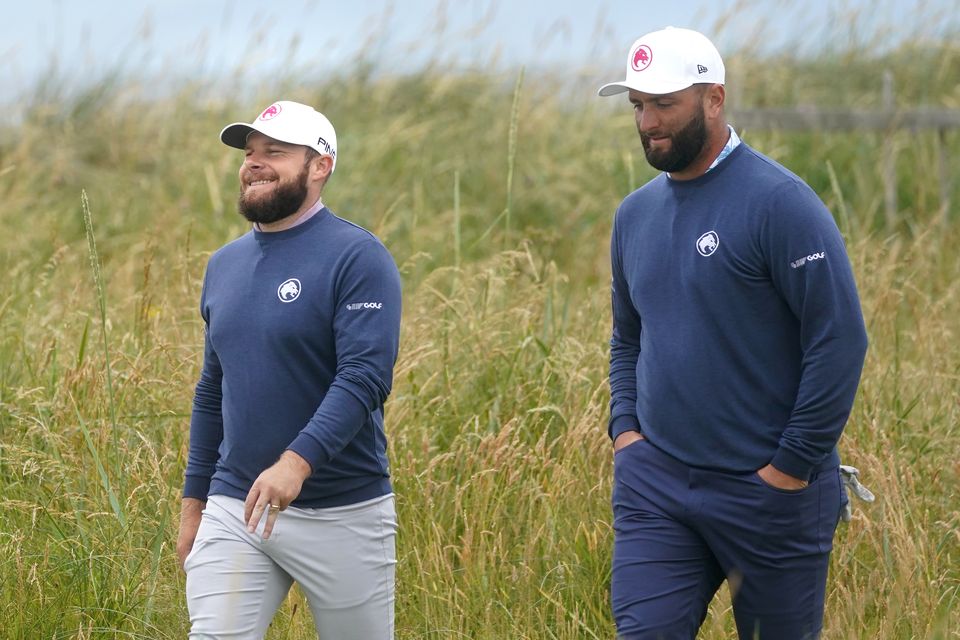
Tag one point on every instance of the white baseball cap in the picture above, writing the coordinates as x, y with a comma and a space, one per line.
287, 122
669, 60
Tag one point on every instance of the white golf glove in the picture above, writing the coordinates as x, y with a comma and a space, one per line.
851, 484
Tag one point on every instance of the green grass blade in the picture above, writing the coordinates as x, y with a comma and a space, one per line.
104, 478
102, 304
512, 152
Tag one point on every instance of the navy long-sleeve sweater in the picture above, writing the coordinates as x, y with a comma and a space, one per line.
738, 338
302, 333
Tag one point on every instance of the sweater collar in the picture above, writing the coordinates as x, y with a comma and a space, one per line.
306, 215
302, 226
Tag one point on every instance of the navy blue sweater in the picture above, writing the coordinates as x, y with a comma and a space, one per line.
738, 338
302, 331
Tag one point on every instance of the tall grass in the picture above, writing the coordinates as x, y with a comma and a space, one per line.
497, 420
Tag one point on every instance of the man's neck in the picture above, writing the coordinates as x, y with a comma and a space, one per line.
303, 214
715, 143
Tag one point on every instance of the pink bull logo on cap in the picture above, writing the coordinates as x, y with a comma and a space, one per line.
271, 112
641, 58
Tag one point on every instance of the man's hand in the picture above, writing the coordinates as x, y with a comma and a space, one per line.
274, 490
626, 438
780, 480
190, 512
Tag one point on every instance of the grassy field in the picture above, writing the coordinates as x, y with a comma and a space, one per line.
495, 194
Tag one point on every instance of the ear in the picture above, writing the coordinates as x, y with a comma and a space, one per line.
321, 168
713, 100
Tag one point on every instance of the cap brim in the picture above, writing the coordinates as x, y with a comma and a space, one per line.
235, 135
653, 89
612, 89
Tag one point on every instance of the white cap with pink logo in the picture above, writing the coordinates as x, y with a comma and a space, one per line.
669, 60
290, 122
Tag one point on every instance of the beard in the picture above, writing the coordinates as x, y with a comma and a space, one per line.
685, 145
286, 199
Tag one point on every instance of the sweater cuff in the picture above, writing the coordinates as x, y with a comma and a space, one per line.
196, 487
622, 424
792, 464
308, 448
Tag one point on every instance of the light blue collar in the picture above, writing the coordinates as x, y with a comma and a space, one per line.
732, 143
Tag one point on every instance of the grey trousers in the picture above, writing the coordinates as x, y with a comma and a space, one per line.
343, 558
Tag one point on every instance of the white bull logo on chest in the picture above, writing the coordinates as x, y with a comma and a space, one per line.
708, 243
289, 290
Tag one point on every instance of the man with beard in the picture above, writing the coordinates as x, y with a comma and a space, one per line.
287, 477
737, 347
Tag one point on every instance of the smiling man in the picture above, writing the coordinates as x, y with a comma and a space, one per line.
287, 476
737, 347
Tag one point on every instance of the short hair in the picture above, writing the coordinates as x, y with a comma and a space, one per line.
310, 155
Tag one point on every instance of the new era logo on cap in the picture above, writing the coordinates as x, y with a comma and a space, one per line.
669, 60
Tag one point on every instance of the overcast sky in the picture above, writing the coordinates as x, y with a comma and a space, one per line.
83, 39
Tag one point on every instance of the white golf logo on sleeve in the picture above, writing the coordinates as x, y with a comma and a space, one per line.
289, 290
356, 306
707, 243
799, 262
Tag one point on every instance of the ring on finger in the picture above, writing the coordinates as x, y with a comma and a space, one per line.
274, 508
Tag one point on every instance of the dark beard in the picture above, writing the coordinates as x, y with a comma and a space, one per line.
285, 200
685, 146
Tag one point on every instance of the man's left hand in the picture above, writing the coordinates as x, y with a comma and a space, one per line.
780, 480
274, 490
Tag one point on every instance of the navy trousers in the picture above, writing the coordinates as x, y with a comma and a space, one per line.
680, 531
